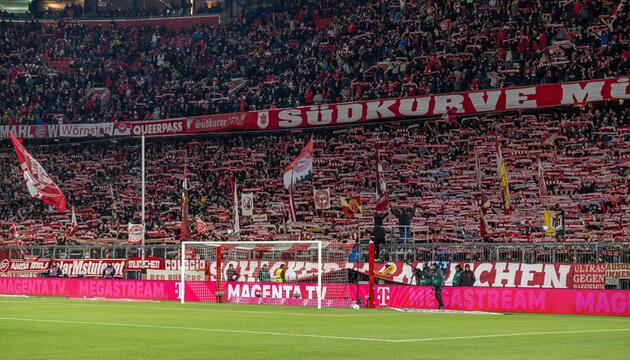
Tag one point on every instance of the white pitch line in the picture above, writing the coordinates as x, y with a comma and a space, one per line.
489, 336
184, 308
249, 332
329, 337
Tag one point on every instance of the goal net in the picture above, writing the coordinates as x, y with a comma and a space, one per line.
298, 273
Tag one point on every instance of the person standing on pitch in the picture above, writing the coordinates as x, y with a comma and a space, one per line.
280, 273
438, 284
54, 271
427, 276
109, 271
263, 274
457, 278
468, 277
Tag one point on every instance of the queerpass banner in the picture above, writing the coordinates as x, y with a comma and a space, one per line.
556, 301
429, 106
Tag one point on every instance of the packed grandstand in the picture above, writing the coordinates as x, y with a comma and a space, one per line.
100, 80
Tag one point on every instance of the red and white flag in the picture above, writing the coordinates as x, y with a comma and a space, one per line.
301, 168
382, 196
39, 184
201, 227
73, 226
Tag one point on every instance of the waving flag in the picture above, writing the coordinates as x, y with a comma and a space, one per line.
381, 187
301, 168
74, 226
351, 206
39, 184
503, 179
201, 227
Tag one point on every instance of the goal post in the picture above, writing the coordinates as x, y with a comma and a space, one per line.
299, 273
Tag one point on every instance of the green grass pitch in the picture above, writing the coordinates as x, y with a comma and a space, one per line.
55, 328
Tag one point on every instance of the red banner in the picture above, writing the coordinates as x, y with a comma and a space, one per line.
215, 123
90, 267
150, 262
435, 106
7, 265
420, 107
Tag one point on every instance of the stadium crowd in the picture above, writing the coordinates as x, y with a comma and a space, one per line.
323, 52
428, 167
318, 52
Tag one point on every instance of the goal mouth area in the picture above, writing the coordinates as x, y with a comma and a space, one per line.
264, 272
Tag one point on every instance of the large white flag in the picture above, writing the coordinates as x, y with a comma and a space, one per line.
301, 168
247, 204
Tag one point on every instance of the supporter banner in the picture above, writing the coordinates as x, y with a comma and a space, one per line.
589, 276
150, 262
618, 271
192, 265
214, 123
465, 103
175, 275
29, 131
57, 131
7, 265
21, 274
150, 128
85, 130
90, 267
429, 106
488, 274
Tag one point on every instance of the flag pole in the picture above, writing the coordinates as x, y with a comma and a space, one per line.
143, 194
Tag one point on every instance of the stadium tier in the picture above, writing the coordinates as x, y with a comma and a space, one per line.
314, 52
582, 155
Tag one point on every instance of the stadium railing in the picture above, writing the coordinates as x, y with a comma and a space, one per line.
430, 252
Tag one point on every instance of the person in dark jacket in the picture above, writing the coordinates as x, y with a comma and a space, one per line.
263, 274
404, 222
109, 271
54, 271
379, 233
468, 277
231, 274
457, 277
427, 275
438, 285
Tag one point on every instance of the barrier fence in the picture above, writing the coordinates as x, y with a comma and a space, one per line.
579, 253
